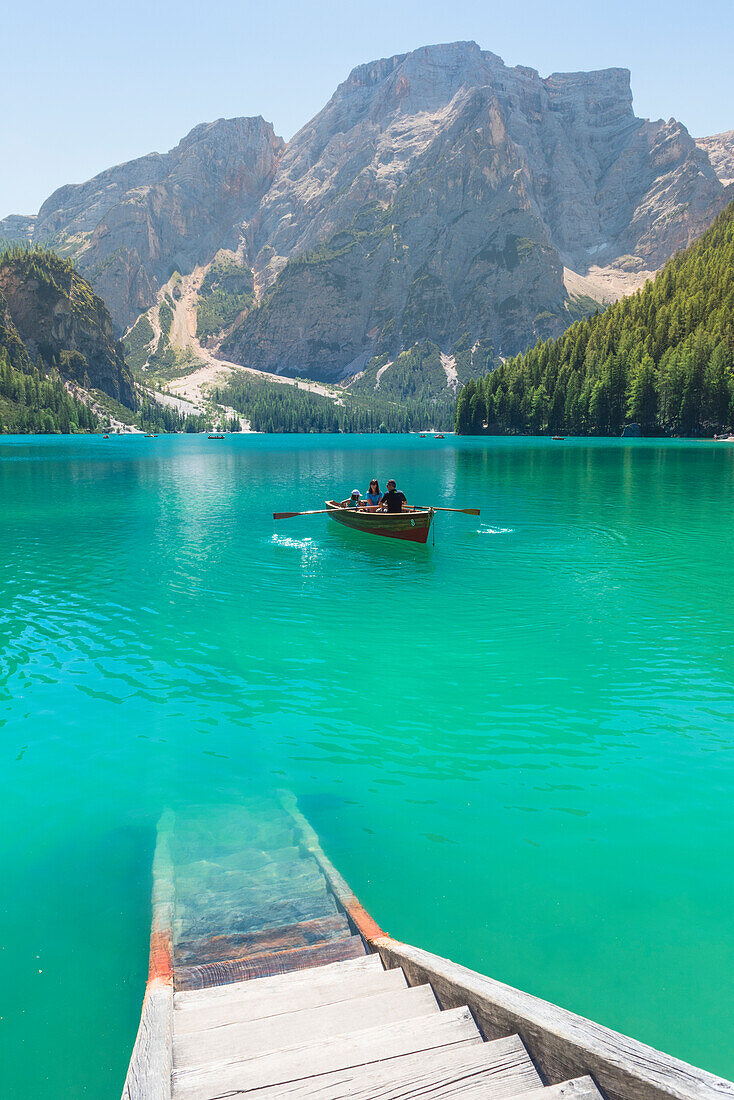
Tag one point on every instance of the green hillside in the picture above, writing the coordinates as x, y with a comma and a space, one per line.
34, 398
663, 358
56, 342
274, 407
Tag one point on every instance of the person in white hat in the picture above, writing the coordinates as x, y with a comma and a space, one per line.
353, 501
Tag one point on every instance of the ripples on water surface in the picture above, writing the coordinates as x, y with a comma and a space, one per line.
516, 745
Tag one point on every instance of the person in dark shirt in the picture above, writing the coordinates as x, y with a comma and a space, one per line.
393, 499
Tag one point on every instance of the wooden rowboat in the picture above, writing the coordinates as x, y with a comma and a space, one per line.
412, 524
269, 980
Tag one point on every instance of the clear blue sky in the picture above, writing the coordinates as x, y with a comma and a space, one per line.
86, 85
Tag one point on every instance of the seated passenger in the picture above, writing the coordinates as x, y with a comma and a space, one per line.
353, 501
393, 499
374, 496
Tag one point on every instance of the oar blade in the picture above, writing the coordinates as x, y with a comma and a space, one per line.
464, 511
290, 515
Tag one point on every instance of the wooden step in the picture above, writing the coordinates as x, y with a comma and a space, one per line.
205, 902
246, 827
281, 962
270, 913
247, 889
243, 945
485, 1071
207, 875
580, 1088
358, 1048
202, 843
243, 860
269, 998
281, 987
311, 1025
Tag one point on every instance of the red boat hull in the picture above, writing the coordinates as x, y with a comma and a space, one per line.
410, 526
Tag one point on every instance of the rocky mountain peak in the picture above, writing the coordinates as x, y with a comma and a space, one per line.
719, 148
131, 226
439, 195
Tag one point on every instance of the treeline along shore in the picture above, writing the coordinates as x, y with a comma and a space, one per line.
662, 358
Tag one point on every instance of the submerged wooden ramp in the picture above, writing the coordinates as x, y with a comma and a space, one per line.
268, 979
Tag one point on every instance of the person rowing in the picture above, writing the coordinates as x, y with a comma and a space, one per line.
393, 500
353, 501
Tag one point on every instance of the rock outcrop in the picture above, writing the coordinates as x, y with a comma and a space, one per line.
17, 228
440, 195
48, 307
719, 148
131, 227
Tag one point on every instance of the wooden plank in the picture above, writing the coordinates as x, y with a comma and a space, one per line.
481, 1071
237, 970
233, 835
278, 1000
238, 945
257, 919
311, 1025
191, 895
338, 1052
149, 1073
358, 915
329, 976
581, 1088
562, 1044
212, 876
245, 859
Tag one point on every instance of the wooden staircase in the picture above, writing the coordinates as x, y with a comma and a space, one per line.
344, 1029
275, 993
269, 980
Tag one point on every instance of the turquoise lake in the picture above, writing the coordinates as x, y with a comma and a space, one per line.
517, 745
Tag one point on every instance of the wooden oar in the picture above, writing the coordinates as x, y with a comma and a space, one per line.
465, 511
290, 515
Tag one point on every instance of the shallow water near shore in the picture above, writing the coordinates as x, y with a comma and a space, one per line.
516, 745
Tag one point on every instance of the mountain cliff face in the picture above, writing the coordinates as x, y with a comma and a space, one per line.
53, 313
17, 228
438, 196
720, 150
131, 227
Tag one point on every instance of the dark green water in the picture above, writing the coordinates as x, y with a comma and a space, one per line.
517, 746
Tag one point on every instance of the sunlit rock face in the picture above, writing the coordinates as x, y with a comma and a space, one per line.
438, 195
130, 227
441, 192
720, 150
